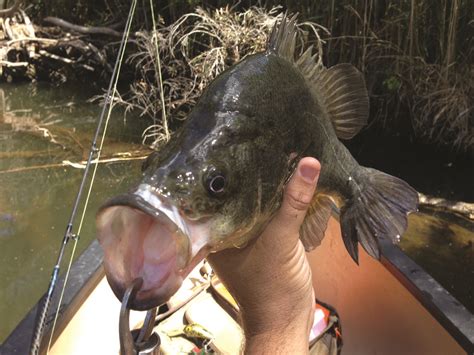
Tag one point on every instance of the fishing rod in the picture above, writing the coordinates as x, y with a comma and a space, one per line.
94, 151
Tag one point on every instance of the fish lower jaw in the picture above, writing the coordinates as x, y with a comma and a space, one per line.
160, 282
154, 275
146, 299
140, 241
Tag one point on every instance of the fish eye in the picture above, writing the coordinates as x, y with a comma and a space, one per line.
216, 182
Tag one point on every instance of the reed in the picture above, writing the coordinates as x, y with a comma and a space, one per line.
416, 56
417, 59
193, 51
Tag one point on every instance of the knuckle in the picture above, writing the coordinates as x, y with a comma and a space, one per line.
299, 201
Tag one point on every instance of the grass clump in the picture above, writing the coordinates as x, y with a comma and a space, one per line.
193, 51
416, 57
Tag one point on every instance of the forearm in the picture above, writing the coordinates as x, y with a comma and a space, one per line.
292, 340
283, 329
277, 314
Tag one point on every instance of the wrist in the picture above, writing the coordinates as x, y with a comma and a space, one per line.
274, 311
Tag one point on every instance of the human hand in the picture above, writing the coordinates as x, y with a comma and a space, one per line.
270, 278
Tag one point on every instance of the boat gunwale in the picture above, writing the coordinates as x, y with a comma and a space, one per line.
456, 319
87, 271
85, 274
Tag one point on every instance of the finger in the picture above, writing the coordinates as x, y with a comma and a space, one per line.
298, 194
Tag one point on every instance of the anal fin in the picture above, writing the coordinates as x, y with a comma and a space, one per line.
316, 221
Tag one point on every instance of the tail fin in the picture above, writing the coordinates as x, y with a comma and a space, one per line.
378, 210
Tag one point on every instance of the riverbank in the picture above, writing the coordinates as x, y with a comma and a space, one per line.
419, 80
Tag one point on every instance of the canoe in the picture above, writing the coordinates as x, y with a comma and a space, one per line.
390, 306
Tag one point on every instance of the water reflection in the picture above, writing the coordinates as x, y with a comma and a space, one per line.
443, 244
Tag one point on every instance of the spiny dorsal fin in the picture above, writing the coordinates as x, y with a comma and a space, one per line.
340, 89
283, 38
316, 221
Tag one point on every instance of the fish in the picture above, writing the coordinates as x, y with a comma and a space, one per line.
219, 181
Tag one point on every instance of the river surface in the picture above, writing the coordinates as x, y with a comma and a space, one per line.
443, 245
43, 126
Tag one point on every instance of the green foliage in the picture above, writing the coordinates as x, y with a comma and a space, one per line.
392, 83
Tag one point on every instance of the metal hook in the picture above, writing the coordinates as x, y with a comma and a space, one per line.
146, 341
148, 325
127, 345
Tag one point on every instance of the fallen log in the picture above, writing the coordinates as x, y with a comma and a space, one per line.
82, 29
69, 61
23, 54
465, 209
47, 41
65, 163
51, 52
11, 10
13, 64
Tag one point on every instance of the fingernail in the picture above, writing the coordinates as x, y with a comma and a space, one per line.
309, 173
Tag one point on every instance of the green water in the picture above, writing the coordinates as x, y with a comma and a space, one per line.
36, 201
443, 245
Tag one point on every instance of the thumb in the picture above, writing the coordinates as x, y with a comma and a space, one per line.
298, 194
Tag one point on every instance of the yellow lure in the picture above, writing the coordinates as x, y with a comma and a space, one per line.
193, 330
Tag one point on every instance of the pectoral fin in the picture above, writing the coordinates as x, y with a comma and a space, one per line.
316, 221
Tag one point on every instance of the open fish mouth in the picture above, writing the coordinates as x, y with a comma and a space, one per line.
144, 236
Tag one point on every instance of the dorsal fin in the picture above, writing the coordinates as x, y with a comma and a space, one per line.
283, 38
340, 89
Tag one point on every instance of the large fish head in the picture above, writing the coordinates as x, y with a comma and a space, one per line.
193, 200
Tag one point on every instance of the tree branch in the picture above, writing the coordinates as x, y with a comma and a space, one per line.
82, 29
11, 10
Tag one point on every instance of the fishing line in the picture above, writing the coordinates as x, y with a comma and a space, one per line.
41, 318
96, 165
158, 68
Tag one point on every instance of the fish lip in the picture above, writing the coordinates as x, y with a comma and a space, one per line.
135, 201
149, 298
